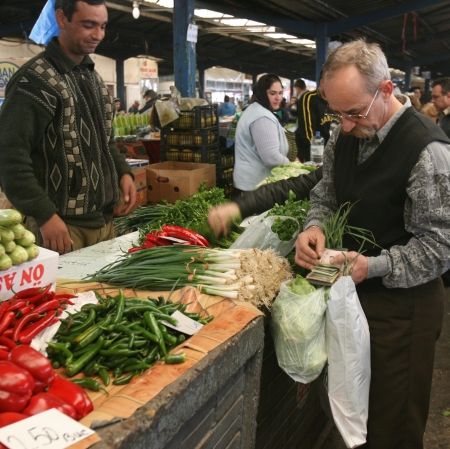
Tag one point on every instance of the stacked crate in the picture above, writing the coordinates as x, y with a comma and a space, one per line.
194, 137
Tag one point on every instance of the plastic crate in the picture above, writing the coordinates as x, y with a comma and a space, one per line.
198, 117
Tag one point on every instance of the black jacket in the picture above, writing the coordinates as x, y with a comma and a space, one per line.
265, 197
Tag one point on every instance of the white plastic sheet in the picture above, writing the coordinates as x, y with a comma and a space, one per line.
348, 348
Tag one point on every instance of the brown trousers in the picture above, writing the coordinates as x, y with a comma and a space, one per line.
80, 236
83, 237
404, 326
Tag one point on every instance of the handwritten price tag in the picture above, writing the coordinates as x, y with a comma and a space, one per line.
50, 429
184, 324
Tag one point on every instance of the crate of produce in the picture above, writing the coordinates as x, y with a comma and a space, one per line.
172, 180
198, 117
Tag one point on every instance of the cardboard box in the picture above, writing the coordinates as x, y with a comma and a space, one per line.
38, 272
172, 180
140, 181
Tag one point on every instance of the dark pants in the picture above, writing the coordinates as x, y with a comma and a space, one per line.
404, 326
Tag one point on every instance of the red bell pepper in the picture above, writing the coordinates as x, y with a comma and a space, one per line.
45, 401
72, 394
16, 387
34, 362
7, 418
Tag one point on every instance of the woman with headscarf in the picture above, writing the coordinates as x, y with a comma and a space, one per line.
260, 142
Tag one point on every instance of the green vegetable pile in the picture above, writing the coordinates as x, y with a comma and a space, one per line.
287, 171
291, 208
191, 213
117, 336
17, 244
300, 286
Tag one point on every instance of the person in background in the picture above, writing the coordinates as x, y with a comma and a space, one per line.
282, 113
292, 109
440, 96
150, 97
55, 131
118, 108
311, 117
134, 108
392, 165
261, 142
299, 88
227, 107
417, 92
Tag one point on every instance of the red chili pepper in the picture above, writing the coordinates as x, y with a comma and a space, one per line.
31, 331
45, 401
38, 297
8, 332
4, 354
72, 394
7, 418
63, 296
46, 306
4, 306
34, 362
32, 292
25, 310
5, 341
186, 234
16, 386
22, 322
15, 305
7, 319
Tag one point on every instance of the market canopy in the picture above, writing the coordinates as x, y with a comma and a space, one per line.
271, 35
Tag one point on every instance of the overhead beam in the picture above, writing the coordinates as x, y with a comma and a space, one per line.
292, 25
349, 23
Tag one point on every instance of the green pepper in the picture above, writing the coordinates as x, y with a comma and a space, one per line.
120, 303
104, 375
75, 366
89, 383
152, 324
172, 359
124, 379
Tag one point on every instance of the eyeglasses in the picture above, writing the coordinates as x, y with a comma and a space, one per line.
352, 117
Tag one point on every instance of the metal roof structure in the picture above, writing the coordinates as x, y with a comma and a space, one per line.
413, 33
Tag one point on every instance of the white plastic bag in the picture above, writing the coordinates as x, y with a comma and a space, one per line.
348, 348
259, 234
298, 331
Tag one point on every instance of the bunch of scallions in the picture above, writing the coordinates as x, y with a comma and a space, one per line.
250, 275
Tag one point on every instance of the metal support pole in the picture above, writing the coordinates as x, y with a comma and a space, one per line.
184, 58
121, 91
322, 41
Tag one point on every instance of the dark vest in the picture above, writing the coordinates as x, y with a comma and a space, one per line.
377, 187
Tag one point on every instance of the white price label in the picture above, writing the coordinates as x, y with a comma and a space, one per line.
184, 323
192, 33
50, 429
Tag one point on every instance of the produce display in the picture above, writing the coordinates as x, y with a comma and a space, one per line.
117, 338
190, 213
29, 385
250, 275
17, 244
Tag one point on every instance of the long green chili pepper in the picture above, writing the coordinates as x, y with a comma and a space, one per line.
89, 383
125, 379
75, 366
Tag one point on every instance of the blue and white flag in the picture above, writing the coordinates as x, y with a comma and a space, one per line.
46, 26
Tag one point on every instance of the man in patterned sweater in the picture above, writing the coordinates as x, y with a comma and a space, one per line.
58, 164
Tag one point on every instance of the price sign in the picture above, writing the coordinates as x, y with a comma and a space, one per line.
184, 324
50, 429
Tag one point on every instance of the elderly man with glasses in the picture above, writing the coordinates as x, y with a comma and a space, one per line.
393, 166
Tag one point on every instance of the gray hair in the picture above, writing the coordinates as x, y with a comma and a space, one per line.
368, 59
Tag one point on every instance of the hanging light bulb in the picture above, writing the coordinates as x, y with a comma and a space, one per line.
136, 11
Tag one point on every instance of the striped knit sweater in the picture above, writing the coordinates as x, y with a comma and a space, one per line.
56, 153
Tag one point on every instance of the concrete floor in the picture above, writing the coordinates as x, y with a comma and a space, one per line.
437, 435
